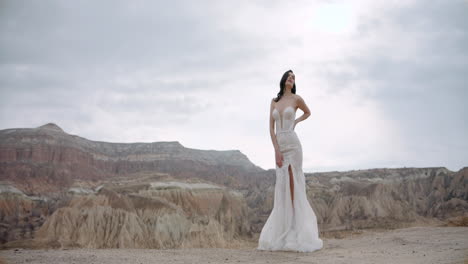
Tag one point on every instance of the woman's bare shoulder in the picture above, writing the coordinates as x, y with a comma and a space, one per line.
298, 97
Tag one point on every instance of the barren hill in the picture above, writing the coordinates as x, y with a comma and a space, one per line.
46, 159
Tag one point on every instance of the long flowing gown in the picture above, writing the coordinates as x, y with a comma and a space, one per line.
290, 228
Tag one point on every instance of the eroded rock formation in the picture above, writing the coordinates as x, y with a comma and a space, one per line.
155, 215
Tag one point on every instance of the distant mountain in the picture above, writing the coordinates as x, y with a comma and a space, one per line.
46, 159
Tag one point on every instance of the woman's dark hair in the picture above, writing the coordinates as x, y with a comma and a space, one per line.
282, 84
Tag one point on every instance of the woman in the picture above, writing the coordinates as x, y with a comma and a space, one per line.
292, 224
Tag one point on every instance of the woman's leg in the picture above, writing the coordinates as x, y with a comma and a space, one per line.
291, 183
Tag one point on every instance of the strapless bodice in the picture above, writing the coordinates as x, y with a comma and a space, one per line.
284, 121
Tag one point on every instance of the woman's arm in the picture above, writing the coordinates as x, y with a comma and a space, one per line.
302, 105
272, 128
278, 155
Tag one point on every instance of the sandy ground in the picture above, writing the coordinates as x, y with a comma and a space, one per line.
409, 245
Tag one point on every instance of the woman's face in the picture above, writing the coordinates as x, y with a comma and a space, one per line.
290, 80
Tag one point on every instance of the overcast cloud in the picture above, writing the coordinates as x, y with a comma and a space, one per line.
386, 81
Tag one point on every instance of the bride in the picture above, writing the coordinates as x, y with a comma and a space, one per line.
292, 224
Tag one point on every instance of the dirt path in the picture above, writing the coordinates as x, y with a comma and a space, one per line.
409, 245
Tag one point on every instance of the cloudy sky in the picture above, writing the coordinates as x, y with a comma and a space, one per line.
386, 81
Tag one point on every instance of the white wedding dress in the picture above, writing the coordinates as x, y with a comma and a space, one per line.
290, 228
